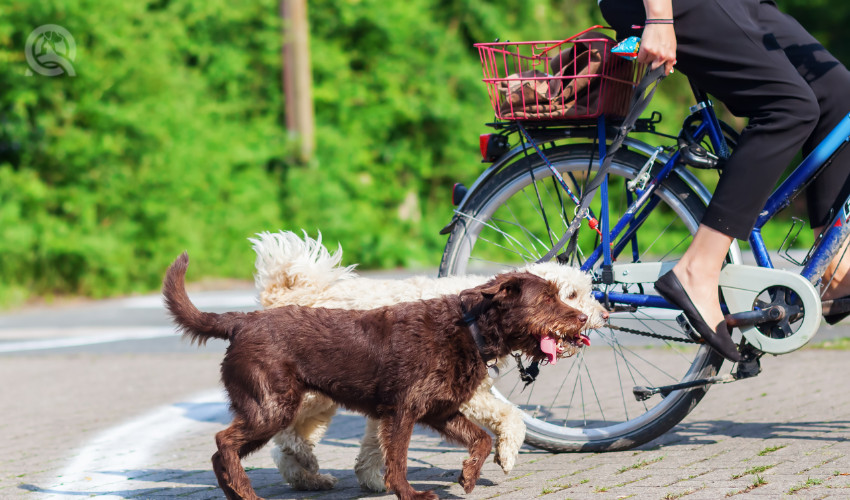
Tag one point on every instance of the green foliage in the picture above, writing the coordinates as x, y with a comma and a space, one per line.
399, 105
827, 20
162, 142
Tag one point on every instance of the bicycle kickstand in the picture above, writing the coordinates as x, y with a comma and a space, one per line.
748, 367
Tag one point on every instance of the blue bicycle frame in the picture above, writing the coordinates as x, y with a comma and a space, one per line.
825, 249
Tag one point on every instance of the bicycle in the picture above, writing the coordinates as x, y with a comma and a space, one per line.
522, 206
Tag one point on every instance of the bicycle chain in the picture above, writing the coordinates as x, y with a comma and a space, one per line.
653, 335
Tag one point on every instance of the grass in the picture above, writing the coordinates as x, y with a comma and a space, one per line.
555, 488
639, 465
771, 449
603, 489
690, 491
674, 496
838, 344
758, 481
704, 459
753, 470
802, 486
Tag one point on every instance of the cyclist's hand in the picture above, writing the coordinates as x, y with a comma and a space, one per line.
658, 46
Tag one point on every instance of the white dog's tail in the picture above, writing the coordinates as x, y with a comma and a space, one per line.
286, 262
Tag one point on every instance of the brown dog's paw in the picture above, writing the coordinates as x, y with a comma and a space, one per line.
470, 474
424, 495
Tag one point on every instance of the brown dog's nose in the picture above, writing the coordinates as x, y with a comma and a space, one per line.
582, 318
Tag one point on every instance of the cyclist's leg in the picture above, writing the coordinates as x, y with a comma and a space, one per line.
829, 79
722, 49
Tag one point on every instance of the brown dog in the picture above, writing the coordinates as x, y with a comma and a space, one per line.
414, 362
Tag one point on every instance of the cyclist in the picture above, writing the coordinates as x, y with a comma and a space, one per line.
766, 67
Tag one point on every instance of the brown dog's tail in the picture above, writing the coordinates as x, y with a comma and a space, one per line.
199, 326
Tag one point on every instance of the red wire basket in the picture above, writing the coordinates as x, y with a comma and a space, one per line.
572, 79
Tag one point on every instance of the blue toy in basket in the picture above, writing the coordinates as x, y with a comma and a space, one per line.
628, 48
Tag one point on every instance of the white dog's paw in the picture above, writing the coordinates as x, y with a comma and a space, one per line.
508, 444
368, 469
505, 459
301, 472
372, 481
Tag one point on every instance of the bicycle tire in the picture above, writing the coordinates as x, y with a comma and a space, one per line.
479, 215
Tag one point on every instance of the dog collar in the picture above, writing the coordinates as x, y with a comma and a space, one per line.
471, 321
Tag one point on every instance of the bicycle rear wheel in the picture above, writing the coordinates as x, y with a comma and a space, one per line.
585, 403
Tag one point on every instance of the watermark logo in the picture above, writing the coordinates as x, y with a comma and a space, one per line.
50, 50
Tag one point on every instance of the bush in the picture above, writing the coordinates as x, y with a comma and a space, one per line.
165, 140
171, 135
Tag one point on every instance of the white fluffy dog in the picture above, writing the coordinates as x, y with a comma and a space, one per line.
296, 271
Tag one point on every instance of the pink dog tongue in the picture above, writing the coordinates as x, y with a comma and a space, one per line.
585, 339
550, 348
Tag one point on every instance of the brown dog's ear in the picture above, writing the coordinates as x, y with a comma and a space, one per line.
502, 289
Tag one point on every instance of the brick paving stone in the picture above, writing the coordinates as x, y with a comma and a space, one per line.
790, 426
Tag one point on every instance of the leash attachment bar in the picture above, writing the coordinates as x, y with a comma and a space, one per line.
643, 95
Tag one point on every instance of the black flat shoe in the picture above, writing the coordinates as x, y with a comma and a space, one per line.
669, 287
835, 318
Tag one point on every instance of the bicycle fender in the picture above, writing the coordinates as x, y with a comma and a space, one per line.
492, 170
522, 149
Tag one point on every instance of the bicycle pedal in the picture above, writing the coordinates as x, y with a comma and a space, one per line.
687, 328
748, 368
750, 364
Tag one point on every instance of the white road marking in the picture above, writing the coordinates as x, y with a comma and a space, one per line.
113, 334
105, 466
202, 301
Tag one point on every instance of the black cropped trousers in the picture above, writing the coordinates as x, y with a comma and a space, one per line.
766, 67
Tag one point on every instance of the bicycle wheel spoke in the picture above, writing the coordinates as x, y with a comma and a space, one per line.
573, 393
619, 377
660, 233
581, 393
648, 363
542, 208
674, 248
530, 236
498, 230
619, 350
563, 382
538, 208
593, 389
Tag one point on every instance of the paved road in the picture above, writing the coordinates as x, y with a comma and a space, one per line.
102, 400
